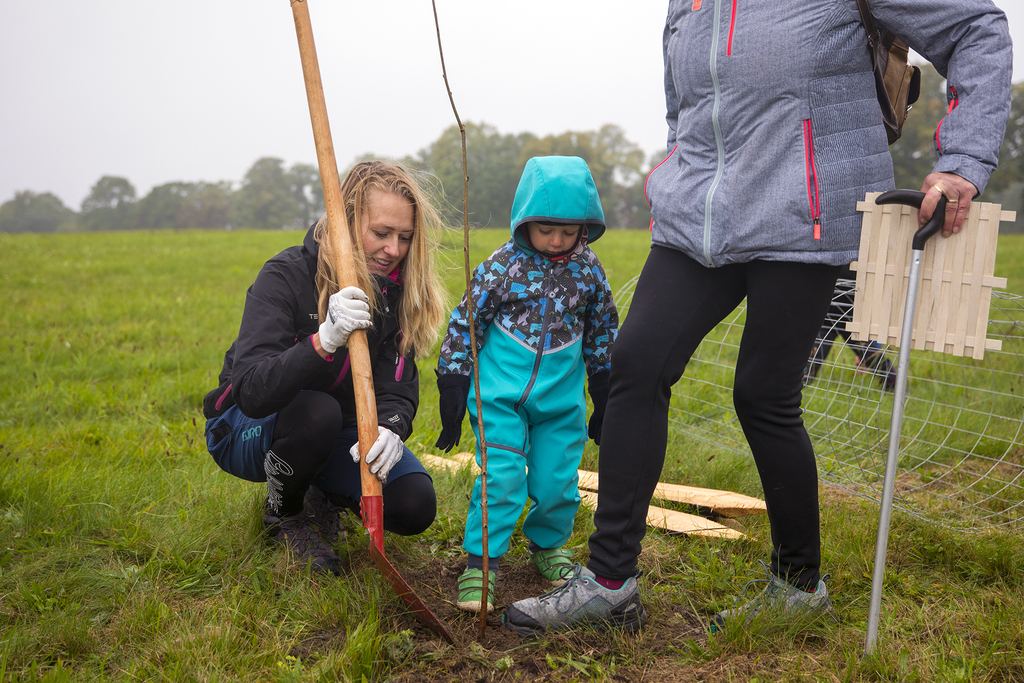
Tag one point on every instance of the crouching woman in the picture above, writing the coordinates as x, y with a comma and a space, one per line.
284, 412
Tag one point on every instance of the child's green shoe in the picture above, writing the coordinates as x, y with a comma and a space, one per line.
471, 585
554, 564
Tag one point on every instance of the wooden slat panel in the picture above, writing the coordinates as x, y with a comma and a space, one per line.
954, 296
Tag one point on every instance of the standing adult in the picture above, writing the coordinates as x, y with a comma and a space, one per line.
774, 134
285, 413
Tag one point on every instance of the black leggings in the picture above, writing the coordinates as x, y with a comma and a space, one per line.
676, 303
306, 433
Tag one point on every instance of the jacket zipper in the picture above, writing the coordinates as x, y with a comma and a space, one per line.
399, 358
546, 321
719, 142
812, 178
952, 105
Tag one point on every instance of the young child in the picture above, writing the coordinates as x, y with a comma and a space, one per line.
543, 314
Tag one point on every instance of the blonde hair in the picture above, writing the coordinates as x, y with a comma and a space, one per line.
422, 308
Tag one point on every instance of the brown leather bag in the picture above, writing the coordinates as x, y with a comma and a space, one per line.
897, 84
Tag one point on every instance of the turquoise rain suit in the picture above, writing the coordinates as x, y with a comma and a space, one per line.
540, 323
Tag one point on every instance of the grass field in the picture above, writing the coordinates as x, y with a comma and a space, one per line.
126, 554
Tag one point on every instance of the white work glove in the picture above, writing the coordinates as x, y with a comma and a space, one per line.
384, 453
347, 310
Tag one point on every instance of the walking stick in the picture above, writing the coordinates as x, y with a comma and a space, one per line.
371, 502
914, 199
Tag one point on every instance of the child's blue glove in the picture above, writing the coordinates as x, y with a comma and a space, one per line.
597, 385
453, 389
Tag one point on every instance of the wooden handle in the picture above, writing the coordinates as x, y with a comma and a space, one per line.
338, 233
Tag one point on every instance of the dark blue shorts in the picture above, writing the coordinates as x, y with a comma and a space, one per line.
241, 452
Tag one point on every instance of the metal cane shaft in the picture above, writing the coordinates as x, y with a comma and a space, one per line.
889, 486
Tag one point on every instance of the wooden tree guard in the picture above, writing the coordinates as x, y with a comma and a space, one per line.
957, 278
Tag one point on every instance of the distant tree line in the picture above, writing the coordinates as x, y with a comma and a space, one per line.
271, 196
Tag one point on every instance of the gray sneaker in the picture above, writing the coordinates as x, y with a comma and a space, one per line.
780, 598
577, 602
298, 535
325, 514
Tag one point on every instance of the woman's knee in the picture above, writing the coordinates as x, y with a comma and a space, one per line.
314, 418
410, 504
755, 396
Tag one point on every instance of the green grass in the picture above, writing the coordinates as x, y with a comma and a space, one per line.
126, 554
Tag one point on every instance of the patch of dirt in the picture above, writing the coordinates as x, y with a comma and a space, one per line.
311, 646
501, 655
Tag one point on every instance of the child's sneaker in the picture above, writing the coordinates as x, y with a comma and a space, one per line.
554, 564
580, 601
471, 586
780, 598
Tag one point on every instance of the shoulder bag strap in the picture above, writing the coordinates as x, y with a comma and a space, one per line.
869, 24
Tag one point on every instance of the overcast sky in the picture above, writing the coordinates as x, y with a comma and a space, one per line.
196, 90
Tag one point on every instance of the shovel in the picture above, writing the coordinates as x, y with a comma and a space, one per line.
914, 199
372, 502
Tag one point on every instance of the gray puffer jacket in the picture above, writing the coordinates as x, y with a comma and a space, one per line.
775, 132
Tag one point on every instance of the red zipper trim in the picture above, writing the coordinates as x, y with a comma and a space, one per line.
648, 179
732, 25
812, 178
952, 105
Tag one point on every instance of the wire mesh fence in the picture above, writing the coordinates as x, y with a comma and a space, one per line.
961, 457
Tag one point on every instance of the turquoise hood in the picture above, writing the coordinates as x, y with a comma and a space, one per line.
557, 190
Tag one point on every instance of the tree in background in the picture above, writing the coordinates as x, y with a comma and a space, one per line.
110, 205
177, 206
614, 161
1009, 177
31, 212
272, 198
495, 164
304, 182
265, 200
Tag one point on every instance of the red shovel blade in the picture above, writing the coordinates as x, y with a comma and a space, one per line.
372, 508
373, 520
408, 596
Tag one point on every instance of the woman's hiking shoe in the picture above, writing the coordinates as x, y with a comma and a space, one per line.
300, 537
325, 514
471, 588
554, 564
778, 598
580, 601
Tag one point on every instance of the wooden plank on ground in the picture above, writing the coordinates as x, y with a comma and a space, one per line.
670, 520
725, 503
673, 520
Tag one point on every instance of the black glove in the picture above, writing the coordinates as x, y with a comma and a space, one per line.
217, 402
597, 385
453, 389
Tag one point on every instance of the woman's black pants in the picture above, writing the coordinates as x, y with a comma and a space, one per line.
677, 302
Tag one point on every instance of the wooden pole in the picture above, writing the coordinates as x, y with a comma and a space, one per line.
338, 231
